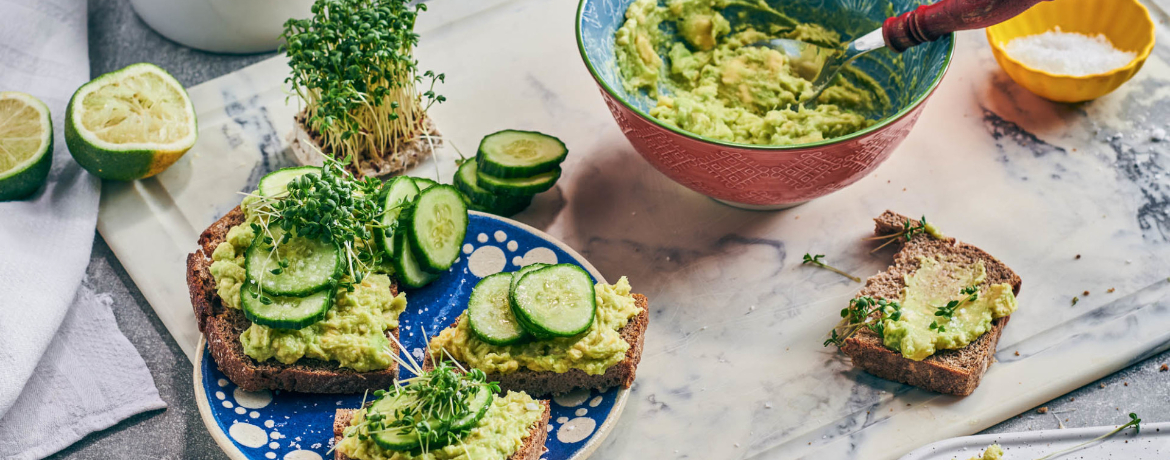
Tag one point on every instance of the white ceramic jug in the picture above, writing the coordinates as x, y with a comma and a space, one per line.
223, 26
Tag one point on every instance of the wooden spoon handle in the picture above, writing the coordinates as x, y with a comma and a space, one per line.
928, 23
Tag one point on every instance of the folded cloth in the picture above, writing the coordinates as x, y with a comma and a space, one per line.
89, 379
45, 242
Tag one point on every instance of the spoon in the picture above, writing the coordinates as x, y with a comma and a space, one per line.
927, 23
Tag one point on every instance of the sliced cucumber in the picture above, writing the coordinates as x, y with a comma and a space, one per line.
516, 275
284, 312
312, 264
512, 153
392, 438
489, 311
508, 209
423, 183
438, 224
406, 267
274, 183
477, 406
466, 182
556, 301
397, 193
520, 186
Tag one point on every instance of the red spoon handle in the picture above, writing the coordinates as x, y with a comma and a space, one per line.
928, 23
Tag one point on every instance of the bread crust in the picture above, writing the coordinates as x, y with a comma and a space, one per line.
544, 383
956, 372
532, 448
223, 325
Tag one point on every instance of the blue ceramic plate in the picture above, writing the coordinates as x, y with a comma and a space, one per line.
296, 426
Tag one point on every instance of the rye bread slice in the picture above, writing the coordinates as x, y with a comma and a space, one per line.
532, 448
223, 325
955, 372
551, 383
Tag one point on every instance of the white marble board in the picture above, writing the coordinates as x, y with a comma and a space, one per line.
733, 365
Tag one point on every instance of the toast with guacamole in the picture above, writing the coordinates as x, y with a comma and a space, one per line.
549, 329
934, 317
466, 417
297, 288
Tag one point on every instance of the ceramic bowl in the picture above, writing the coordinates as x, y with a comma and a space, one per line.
1126, 23
771, 177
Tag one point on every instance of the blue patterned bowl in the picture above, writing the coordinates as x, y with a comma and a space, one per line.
297, 426
760, 175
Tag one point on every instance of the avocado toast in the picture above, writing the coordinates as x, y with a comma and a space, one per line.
222, 326
952, 371
443, 413
602, 352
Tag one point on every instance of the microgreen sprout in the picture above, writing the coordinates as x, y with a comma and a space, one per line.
864, 312
434, 401
1134, 421
353, 65
947, 312
810, 259
910, 228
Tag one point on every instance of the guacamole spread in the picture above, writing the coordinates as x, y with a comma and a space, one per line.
353, 333
993, 452
594, 351
919, 331
716, 86
498, 435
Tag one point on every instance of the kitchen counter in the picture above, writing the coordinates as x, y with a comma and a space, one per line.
118, 38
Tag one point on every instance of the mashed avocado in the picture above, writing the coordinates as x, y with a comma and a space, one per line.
498, 435
717, 87
353, 333
933, 285
594, 351
993, 452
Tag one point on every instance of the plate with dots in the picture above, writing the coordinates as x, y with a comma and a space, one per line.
271, 425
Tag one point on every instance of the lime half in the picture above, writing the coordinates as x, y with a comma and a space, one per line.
26, 145
130, 123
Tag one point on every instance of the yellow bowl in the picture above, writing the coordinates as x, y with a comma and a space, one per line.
1126, 23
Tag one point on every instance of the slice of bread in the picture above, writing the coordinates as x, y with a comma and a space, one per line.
955, 372
223, 325
532, 448
551, 383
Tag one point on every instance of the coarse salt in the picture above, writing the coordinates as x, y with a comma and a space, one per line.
1068, 53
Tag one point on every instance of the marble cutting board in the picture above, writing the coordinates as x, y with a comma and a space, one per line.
733, 365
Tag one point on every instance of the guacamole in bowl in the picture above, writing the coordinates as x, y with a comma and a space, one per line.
715, 117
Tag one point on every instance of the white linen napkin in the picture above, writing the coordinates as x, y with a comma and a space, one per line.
65, 368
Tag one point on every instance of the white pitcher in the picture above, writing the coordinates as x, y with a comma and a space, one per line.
223, 26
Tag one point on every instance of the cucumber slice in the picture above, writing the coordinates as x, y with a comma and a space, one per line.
507, 210
406, 266
399, 191
437, 226
510, 153
312, 264
466, 182
390, 438
521, 186
489, 311
284, 312
423, 183
274, 183
523, 271
556, 301
477, 406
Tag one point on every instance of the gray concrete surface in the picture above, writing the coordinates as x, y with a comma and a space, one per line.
118, 38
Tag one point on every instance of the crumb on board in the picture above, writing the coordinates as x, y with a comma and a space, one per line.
1110, 291
1078, 257
1017, 352
1042, 410
1102, 385
1164, 368
1086, 293
1075, 299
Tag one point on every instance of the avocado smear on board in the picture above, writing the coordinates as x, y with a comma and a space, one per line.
993, 452
934, 284
593, 351
719, 88
353, 333
498, 435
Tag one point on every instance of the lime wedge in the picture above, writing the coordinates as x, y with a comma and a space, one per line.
26, 145
130, 123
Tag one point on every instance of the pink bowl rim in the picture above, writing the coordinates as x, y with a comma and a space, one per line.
881, 124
